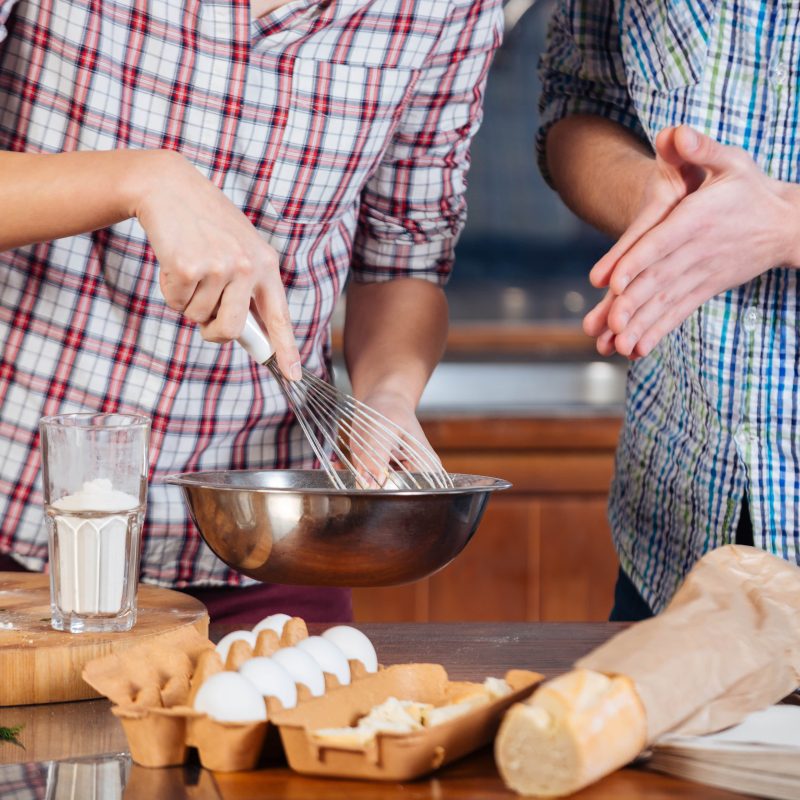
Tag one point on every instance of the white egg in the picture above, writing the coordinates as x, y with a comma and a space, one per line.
328, 656
354, 644
302, 668
230, 697
226, 641
271, 679
273, 622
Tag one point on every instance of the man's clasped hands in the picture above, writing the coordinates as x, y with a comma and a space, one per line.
709, 220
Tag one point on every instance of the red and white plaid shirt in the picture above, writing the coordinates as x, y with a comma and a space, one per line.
341, 129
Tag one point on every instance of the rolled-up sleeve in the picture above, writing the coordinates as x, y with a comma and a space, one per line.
582, 69
413, 206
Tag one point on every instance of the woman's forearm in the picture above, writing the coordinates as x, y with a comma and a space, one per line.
45, 197
213, 264
599, 169
395, 333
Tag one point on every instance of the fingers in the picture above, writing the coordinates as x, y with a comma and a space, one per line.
653, 295
596, 320
673, 316
272, 307
414, 429
178, 285
703, 151
666, 149
416, 451
194, 282
381, 461
222, 289
653, 247
228, 321
213, 262
703, 244
207, 296
382, 453
651, 215
595, 324
370, 455
605, 343
675, 176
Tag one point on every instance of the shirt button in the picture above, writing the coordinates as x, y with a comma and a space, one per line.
780, 73
751, 320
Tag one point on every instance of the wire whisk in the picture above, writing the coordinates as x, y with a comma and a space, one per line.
374, 451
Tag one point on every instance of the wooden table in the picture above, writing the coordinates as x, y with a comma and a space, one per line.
85, 738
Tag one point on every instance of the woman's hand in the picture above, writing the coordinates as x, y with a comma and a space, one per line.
371, 455
394, 335
213, 262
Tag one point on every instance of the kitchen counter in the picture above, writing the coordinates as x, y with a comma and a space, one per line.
531, 388
67, 744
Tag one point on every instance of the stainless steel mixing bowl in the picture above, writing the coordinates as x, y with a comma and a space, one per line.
290, 526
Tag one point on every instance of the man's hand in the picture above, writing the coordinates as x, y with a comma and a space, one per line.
672, 179
213, 261
725, 224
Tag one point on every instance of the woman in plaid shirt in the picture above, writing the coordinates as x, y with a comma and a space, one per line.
674, 126
270, 152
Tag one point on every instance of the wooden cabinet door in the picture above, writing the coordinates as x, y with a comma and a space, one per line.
578, 564
532, 559
543, 549
407, 603
490, 580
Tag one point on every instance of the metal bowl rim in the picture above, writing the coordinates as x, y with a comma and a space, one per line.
195, 480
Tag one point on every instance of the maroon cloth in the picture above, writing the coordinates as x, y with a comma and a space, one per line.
247, 605
250, 604
7, 564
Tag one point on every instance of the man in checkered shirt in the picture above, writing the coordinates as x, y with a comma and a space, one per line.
338, 134
674, 126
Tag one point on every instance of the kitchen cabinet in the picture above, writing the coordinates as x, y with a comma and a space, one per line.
543, 550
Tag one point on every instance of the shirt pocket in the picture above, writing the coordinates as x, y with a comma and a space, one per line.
340, 120
665, 43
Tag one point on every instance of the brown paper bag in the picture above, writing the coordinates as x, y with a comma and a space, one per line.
728, 644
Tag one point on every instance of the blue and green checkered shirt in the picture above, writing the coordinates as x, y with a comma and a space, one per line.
712, 414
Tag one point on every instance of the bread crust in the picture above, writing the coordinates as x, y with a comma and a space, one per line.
571, 732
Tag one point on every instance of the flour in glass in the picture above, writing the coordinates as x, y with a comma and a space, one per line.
93, 530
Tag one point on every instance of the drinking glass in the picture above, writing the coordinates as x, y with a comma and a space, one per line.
95, 492
98, 778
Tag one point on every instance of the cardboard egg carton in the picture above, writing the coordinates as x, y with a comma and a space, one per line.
396, 756
153, 688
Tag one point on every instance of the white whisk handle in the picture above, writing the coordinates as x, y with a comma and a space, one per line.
255, 340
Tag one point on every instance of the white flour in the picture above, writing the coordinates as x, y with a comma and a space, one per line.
92, 547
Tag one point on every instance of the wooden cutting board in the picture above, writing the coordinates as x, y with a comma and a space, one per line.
40, 665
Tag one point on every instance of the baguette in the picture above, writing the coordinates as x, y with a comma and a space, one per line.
727, 644
571, 732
